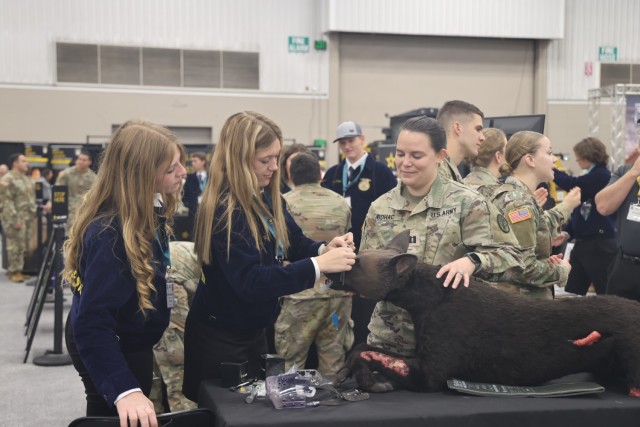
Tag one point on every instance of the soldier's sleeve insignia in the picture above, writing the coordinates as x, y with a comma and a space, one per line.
519, 215
503, 223
364, 184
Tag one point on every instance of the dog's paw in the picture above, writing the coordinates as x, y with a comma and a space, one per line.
372, 382
380, 387
342, 375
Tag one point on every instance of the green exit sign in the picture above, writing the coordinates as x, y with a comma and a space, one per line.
298, 44
320, 45
608, 54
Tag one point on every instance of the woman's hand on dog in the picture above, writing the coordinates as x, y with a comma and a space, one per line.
458, 271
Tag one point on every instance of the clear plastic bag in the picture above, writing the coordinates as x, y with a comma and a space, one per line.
293, 390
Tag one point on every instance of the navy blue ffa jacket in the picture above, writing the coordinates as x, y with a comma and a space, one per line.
191, 192
375, 180
586, 222
105, 316
240, 292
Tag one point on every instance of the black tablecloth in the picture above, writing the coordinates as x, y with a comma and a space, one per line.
447, 409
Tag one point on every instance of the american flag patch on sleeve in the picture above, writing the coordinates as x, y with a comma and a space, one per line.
519, 215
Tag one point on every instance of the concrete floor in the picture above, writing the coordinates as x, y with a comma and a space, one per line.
32, 395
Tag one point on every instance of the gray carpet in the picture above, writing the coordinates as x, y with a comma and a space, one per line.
31, 395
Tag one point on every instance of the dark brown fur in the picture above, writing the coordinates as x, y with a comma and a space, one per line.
487, 335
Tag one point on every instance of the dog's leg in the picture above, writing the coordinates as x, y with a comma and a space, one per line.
399, 369
388, 368
358, 366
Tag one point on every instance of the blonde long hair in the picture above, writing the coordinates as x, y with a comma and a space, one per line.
233, 184
520, 144
124, 189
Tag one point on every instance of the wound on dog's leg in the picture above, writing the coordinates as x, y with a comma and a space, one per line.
398, 366
634, 392
592, 338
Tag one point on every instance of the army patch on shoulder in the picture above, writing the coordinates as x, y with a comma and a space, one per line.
502, 223
519, 215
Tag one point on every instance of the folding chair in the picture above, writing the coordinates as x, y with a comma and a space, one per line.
200, 417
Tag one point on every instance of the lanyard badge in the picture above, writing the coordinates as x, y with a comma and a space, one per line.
346, 182
279, 258
171, 299
166, 260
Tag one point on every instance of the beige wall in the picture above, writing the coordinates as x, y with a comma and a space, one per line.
381, 74
370, 76
567, 123
68, 115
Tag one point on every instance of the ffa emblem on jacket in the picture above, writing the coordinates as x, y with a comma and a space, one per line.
364, 184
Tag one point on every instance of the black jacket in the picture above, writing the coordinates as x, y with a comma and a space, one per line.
191, 192
241, 292
590, 184
375, 180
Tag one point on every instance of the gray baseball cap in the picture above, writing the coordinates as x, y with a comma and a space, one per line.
347, 130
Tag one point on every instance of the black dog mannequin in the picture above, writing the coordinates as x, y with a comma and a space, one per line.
487, 335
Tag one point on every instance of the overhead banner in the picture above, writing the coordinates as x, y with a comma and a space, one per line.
63, 155
37, 155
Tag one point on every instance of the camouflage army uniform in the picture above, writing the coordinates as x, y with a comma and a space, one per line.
448, 170
169, 351
451, 221
77, 185
481, 180
18, 207
318, 314
534, 228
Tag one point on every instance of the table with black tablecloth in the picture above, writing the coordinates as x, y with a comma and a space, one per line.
444, 409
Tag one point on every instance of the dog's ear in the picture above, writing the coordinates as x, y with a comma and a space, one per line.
403, 265
400, 243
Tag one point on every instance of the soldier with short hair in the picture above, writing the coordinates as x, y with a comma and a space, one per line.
3, 171
18, 210
319, 314
79, 179
462, 123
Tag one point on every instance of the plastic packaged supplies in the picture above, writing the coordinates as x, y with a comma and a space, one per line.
291, 391
307, 388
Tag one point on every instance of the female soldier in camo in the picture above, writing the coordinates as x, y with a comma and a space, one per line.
450, 225
529, 162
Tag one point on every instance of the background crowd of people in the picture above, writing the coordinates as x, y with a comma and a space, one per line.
269, 224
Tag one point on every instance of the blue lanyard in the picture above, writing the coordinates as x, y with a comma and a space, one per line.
345, 175
272, 229
166, 251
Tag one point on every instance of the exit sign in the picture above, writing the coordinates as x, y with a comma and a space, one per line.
298, 44
608, 54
